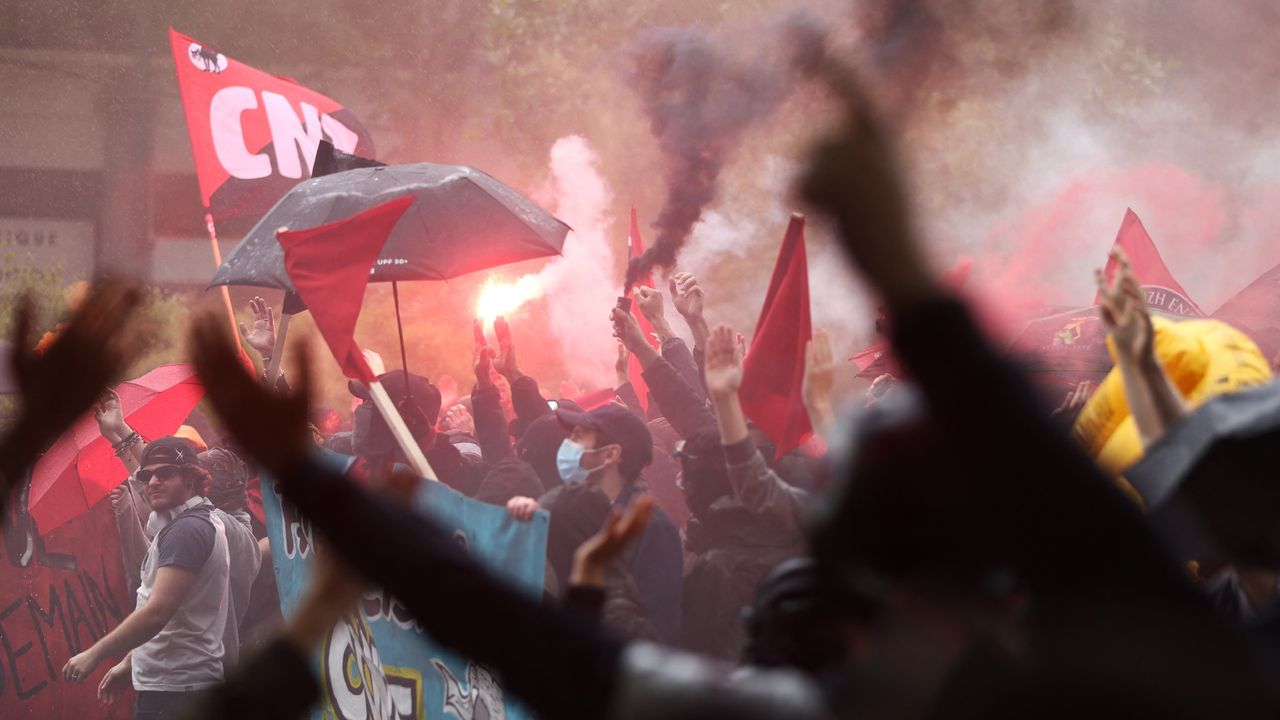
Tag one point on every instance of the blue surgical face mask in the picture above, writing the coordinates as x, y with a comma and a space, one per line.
569, 462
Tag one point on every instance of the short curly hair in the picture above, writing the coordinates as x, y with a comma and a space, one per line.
198, 476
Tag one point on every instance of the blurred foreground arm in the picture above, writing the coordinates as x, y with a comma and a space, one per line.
90, 353
1034, 480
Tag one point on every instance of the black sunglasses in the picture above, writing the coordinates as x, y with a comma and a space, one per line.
164, 472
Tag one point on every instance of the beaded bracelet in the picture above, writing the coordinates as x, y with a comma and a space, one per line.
121, 447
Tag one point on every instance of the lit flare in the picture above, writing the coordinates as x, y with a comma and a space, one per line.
499, 298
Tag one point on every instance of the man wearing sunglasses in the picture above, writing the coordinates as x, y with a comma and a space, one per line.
172, 642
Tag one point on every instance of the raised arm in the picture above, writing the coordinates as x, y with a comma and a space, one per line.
679, 403
491, 429
1036, 482
1153, 400
755, 485
56, 387
819, 376
671, 347
527, 401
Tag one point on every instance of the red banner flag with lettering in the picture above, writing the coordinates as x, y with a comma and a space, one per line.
635, 373
773, 372
1164, 294
254, 135
329, 266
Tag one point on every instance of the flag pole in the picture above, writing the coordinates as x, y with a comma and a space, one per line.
400, 431
277, 352
226, 294
404, 361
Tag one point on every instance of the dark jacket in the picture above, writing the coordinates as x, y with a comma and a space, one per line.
650, 584
492, 431
656, 562
528, 404
458, 471
675, 352
680, 404
735, 549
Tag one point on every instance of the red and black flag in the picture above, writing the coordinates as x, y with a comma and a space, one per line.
1164, 294
254, 135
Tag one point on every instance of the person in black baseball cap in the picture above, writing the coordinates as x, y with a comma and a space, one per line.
608, 446
419, 404
171, 457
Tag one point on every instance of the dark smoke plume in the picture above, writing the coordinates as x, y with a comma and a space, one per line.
699, 102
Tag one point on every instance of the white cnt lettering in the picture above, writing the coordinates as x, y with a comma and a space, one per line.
228, 134
288, 134
341, 137
295, 139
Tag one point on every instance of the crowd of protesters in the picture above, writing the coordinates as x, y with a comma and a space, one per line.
952, 553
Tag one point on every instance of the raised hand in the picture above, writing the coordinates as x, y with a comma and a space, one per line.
271, 427
650, 302
92, 351
263, 335
458, 419
110, 419
482, 357
1124, 309
619, 530
506, 359
853, 176
724, 362
819, 378
686, 295
1075, 399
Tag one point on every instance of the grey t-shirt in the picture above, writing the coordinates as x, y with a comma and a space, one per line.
187, 654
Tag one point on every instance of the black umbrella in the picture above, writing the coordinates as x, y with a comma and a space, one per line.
1210, 480
463, 221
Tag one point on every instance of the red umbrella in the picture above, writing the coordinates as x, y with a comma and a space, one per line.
80, 469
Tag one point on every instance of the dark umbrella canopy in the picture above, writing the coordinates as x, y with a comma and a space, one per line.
1215, 473
462, 221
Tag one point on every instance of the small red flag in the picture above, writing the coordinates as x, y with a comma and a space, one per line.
773, 372
1164, 294
873, 361
635, 373
329, 266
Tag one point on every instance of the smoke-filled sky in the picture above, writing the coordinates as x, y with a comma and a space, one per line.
1028, 126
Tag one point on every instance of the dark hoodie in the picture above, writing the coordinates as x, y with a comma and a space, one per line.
577, 513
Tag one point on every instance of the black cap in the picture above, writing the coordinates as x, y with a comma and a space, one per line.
616, 424
425, 395
170, 450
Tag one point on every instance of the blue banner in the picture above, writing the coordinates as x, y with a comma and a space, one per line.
378, 663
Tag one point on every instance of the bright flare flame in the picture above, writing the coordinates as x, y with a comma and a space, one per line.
498, 298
